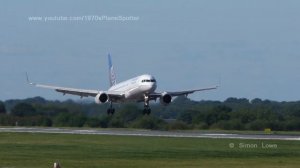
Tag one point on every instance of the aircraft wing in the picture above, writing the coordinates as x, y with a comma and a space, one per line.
72, 91
78, 92
180, 93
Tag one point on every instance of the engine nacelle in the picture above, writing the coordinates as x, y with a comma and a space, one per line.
101, 98
165, 99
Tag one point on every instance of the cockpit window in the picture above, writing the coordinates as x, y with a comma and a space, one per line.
148, 80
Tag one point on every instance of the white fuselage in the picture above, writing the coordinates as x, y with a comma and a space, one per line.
136, 88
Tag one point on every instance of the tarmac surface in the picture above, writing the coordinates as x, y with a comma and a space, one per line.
150, 133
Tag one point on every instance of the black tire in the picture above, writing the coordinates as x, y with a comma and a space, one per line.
148, 111
145, 111
112, 111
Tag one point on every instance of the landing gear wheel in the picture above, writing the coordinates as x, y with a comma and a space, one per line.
110, 110
147, 111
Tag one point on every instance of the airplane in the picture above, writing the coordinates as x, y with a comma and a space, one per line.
138, 89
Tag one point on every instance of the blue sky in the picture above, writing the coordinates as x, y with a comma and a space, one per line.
252, 46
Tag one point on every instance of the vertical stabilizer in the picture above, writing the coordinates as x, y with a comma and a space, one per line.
111, 72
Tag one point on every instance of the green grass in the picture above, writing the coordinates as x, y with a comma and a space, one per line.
33, 150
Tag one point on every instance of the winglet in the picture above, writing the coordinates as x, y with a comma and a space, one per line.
27, 79
219, 82
112, 75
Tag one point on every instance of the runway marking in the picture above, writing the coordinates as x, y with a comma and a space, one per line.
148, 133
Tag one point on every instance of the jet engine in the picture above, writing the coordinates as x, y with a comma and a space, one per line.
101, 98
165, 99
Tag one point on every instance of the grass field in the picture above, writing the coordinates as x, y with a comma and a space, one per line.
33, 150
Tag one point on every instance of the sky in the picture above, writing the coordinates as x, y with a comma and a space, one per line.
251, 48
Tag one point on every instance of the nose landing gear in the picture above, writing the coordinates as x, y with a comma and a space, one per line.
147, 109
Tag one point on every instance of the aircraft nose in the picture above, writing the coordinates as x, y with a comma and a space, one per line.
149, 87
153, 86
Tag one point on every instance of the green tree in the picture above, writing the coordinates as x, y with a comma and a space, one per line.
149, 122
177, 125
186, 116
69, 119
2, 108
23, 109
61, 120
93, 122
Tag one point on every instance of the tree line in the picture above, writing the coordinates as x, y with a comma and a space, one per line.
182, 113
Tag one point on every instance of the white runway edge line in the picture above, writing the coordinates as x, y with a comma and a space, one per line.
149, 133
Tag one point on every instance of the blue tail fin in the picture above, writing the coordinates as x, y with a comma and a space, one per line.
112, 75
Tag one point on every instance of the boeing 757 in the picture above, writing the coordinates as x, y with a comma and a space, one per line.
139, 89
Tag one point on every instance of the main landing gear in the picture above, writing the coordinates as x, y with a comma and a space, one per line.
110, 110
147, 109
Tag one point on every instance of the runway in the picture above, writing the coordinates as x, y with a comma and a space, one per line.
150, 133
